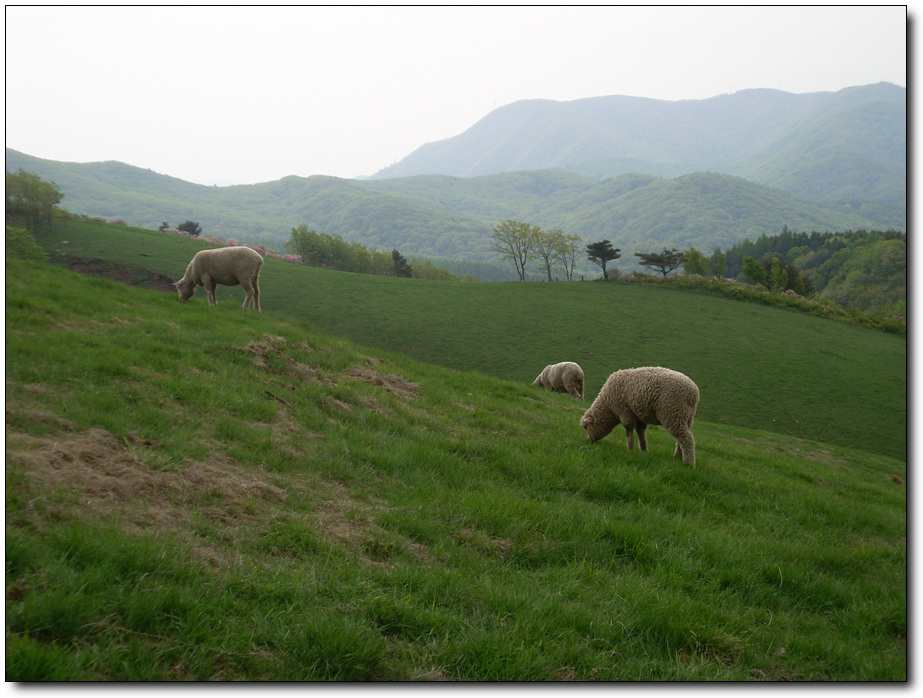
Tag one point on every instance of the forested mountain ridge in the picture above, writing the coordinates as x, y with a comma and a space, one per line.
823, 146
441, 217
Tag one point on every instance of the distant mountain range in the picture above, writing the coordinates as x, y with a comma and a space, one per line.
824, 146
641, 173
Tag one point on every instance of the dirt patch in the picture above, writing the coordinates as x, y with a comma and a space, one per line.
109, 477
36, 417
334, 404
269, 353
372, 405
92, 474
121, 272
395, 385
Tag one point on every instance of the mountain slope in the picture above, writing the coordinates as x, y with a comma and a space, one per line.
543, 134
757, 134
858, 153
636, 212
451, 217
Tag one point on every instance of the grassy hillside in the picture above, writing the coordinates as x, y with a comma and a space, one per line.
452, 217
757, 366
198, 493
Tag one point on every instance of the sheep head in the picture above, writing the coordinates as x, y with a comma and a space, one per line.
185, 289
598, 423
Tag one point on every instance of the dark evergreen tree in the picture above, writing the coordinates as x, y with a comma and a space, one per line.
601, 253
664, 262
718, 262
191, 227
401, 267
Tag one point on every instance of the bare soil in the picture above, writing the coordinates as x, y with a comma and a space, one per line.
121, 272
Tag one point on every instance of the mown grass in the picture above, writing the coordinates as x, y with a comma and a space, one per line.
757, 366
201, 493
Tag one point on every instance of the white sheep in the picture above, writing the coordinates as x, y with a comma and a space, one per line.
229, 266
636, 397
565, 377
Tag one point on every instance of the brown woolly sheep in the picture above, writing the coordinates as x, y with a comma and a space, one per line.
565, 377
229, 266
636, 397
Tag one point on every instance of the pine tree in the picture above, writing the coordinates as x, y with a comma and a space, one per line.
601, 253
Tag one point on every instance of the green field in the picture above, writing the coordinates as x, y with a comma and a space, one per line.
757, 366
198, 493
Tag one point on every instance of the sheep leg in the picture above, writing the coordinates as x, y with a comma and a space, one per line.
685, 446
210, 287
642, 435
248, 298
252, 289
630, 425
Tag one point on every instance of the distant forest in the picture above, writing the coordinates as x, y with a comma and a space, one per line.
859, 269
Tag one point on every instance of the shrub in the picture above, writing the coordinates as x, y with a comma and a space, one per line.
20, 243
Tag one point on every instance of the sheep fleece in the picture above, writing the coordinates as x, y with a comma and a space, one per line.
228, 266
637, 397
565, 377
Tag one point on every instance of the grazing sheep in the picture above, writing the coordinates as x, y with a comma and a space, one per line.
565, 377
229, 266
636, 397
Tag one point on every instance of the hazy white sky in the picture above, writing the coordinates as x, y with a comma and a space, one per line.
247, 94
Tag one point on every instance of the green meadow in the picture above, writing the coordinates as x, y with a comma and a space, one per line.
757, 366
361, 484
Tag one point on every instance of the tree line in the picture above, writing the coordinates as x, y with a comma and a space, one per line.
521, 242
554, 250
861, 269
331, 251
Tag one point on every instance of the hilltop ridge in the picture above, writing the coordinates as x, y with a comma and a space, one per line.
641, 173
822, 146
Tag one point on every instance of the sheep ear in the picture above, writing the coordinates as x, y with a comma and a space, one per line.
588, 419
